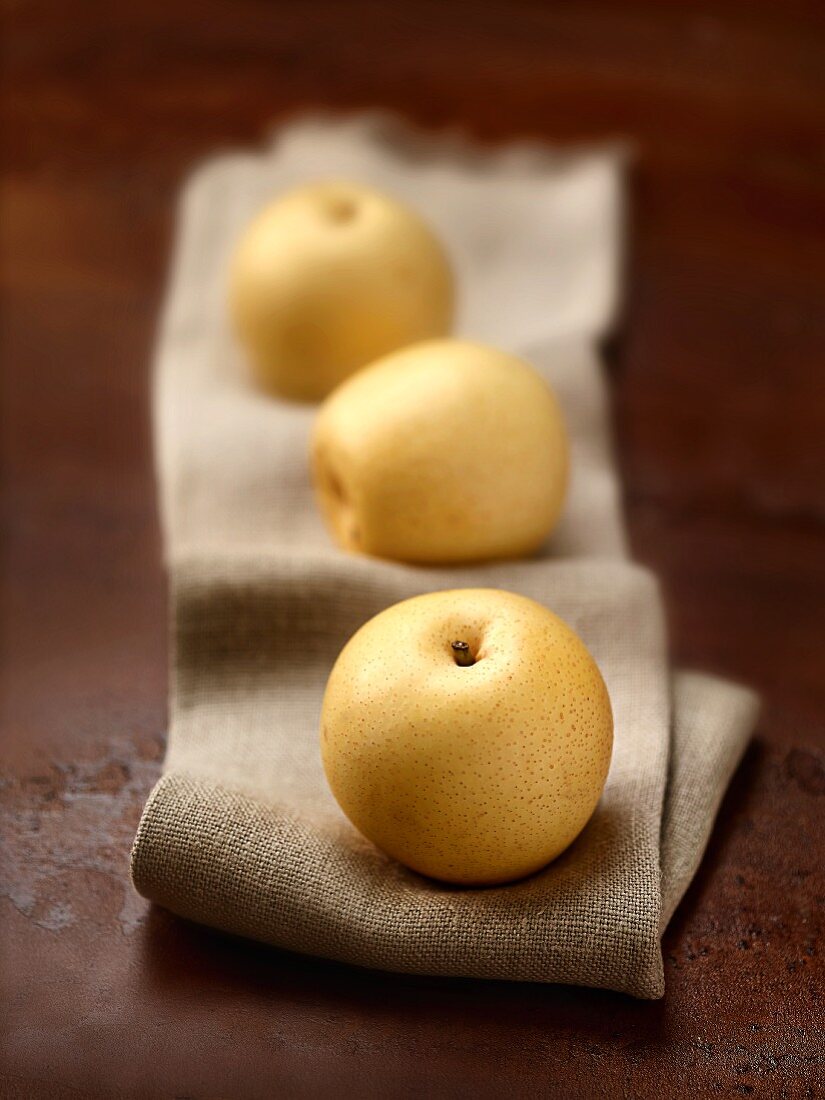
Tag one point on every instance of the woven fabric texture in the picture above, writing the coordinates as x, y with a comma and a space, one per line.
241, 833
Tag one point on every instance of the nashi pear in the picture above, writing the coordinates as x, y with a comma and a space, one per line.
468, 734
330, 277
448, 451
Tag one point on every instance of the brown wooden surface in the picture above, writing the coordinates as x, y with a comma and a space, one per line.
720, 416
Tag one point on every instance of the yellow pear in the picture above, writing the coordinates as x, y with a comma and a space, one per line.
330, 277
468, 734
446, 451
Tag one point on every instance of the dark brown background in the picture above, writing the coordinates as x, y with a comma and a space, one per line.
719, 411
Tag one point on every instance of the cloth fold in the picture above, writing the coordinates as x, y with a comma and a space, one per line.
242, 833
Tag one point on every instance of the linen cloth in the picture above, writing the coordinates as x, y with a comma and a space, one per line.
241, 833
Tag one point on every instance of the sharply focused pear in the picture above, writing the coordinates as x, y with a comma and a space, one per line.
468, 734
330, 277
447, 451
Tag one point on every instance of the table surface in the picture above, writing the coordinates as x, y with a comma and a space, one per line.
720, 416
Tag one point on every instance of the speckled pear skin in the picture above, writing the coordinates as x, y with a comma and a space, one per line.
474, 775
447, 451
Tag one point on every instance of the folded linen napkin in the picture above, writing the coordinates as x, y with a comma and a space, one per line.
241, 832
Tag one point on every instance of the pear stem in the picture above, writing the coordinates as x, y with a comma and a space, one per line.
463, 656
